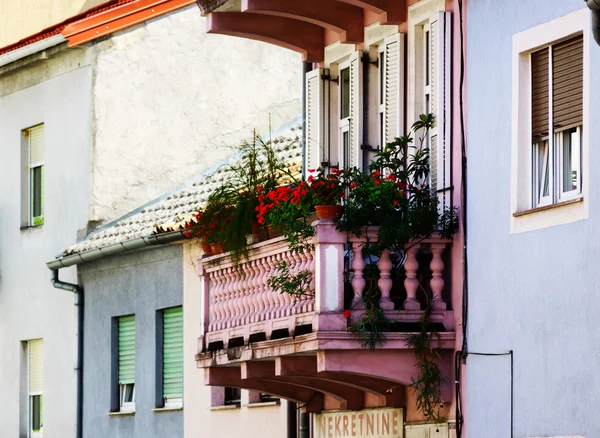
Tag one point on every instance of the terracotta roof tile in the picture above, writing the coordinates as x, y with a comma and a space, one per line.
171, 211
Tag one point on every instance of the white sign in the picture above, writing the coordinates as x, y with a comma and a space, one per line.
368, 423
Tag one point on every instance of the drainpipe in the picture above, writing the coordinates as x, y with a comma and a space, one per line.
594, 6
304, 429
78, 291
306, 67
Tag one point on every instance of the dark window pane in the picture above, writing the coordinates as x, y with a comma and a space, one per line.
36, 413
345, 93
427, 68
37, 191
233, 396
381, 77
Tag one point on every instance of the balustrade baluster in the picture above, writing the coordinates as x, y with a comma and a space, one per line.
437, 279
229, 295
358, 282
212, 296
219, 312
385, 282
250, 288
266, 290
311, 300
411, 283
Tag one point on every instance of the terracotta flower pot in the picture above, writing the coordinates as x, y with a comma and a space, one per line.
206, 249
272, 232
328, 212
216, 248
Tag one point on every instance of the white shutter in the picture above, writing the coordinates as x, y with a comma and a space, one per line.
314, 119
393, 86
441, 104
355, 152
36, 144
36, 366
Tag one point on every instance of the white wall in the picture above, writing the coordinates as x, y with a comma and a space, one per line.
29, 306
169, 99
199, 420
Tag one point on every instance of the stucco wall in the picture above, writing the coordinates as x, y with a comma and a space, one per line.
169, 99
139, 283
19, 19
257, 422
535, 292
30, 307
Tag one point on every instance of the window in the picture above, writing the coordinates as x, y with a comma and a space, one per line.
557, 121
344, 114
33, 178
430, 87
35, 384
171, 357
126, 363
550, 178
233, 396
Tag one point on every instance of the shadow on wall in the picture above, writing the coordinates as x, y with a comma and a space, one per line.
87, 4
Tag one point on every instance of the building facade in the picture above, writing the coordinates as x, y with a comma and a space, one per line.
373, 67
531, 140
68, 109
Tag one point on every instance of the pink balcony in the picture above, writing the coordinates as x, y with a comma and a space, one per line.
240, 308
257, 339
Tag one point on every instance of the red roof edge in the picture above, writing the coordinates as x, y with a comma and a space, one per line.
58, 28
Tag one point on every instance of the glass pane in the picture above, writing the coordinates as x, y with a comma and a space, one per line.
232, 395
36, 176
381, 140
543, 170
345, 93
381, 77
427, 67
346, 148
570, 160
36, 412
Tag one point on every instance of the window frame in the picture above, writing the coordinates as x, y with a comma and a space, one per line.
343, 122
31, 433
381, 96
161, 400
523, 217
554, 141
119, 390
29, 178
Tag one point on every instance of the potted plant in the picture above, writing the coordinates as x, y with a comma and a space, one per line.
288, 210
327, 192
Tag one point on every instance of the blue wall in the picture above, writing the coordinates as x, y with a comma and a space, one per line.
139, 283
536, 293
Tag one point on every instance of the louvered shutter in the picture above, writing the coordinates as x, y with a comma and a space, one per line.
127, 349
36, 366
173, 353
314, 119
540, 94
36, 144
393, 86
567, 83
355, 153
441, 103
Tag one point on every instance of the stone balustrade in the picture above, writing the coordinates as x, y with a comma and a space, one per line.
239, 306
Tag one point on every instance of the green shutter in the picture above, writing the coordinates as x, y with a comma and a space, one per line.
127, 349
173, 353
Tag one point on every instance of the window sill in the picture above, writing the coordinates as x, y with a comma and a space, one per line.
224, 408
169, 409
262, 404
548, 207
31, 227
121, 414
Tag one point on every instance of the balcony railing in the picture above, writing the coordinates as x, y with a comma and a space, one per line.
239, 306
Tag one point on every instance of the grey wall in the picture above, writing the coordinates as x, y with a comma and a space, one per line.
536, 292
139, 283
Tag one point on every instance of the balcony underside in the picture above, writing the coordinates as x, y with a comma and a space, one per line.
325, 370
305, 26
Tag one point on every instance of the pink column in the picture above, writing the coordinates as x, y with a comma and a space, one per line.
437, 280
411, 283
329, 277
